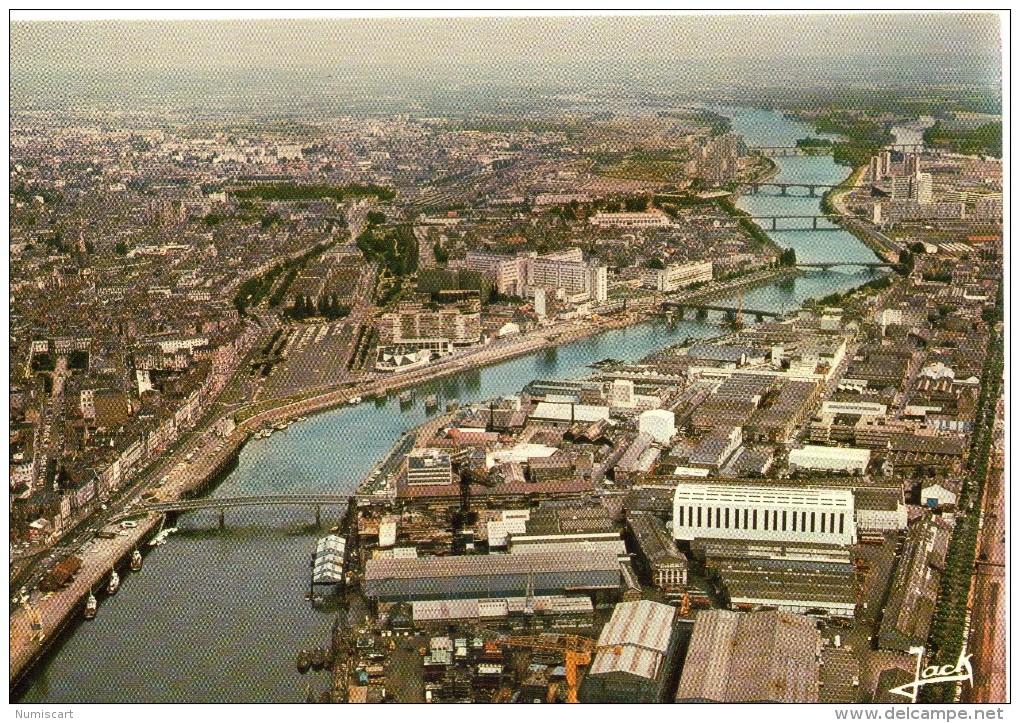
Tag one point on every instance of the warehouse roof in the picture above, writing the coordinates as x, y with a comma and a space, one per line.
487, 565
751, 657
635, 640
655, 543
813, 451
762, 494
565, 412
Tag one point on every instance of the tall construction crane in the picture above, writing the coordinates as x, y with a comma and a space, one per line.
577, 651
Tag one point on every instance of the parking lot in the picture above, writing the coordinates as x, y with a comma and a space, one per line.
315, 355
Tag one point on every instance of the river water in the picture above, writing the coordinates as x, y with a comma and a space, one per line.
219, 616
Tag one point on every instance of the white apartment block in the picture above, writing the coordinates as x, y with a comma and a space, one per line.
677, 276
566, 270
583, 281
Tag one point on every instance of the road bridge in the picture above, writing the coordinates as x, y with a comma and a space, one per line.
833, 264
318, 501
781, 151
906, 147
785, 186
701, 310
814, 218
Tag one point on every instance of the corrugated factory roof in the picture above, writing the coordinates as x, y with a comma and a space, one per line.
617, 546
488, 565
635, 640
751, 657
487, 576
433, 610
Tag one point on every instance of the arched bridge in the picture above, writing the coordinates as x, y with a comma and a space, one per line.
781, 151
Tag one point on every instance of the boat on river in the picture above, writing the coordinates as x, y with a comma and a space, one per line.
136, 561
406, 398
91, 606
431, 401
114, 585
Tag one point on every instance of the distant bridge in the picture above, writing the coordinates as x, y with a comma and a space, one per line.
224, 503
832, 217
780, 151
702, 309
783, 187
832, 264
905, 147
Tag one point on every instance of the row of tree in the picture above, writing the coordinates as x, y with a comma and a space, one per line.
946, 639
311, 192
252, 291
327, 306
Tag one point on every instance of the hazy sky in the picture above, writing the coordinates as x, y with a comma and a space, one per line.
245, 43
269, 61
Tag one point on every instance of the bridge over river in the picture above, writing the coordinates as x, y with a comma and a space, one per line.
318, 501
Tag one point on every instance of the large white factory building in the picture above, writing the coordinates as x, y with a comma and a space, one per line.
766, 513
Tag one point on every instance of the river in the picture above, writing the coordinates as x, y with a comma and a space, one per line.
219, 616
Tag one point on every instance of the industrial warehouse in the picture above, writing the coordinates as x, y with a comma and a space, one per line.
620, 533
430, 578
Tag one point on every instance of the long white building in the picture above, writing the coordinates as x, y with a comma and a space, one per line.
781, 514
631, 220
677, 276
830, 459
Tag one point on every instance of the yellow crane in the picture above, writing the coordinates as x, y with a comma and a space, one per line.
685, 605
576, 649
35, 623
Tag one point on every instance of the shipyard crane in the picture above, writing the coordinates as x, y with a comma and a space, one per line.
738, 320
35, 623
577, 651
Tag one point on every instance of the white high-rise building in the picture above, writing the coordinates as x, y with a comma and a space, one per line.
885, 164
540, 302
599, 284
